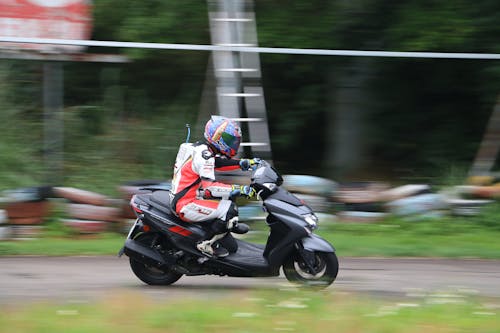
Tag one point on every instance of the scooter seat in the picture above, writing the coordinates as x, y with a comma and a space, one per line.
162, 197
161, 200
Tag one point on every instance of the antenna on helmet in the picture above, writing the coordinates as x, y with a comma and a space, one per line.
188, 133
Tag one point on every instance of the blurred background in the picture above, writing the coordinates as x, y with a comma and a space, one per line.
408, 143
96, 118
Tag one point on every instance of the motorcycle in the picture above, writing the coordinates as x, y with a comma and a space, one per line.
162, 248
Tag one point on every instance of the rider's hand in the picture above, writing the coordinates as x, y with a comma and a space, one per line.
242, 190
249, 164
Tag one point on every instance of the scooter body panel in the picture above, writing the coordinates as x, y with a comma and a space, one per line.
316, 243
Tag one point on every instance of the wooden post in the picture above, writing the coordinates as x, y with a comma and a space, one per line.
53, 121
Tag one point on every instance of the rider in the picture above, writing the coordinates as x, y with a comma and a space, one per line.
197, 196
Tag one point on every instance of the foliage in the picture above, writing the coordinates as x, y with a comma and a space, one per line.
422, 122
430, 25
20, 159
416, 113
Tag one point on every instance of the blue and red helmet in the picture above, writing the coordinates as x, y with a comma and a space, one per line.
224, 135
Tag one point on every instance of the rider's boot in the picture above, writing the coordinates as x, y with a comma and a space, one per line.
211, 248
220, 228
240, 228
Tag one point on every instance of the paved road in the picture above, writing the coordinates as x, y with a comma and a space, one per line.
84, 278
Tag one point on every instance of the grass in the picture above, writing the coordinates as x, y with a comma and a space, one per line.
257, 311
105, 244
446, 237
432, 238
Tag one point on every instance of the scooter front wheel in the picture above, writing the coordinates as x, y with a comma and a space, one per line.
326, 268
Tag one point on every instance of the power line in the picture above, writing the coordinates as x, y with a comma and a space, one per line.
254, 49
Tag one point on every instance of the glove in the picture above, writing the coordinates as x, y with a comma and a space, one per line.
237, 190
249, 164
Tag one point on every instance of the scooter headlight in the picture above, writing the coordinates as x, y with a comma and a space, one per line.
311, 220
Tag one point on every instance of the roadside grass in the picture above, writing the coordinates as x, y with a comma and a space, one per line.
452, 238
446, 237
103, 244
257, 311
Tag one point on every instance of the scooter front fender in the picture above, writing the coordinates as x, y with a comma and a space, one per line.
315, 243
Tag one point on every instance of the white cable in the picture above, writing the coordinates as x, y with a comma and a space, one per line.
274, 50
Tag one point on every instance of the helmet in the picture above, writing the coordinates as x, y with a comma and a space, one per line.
223, 134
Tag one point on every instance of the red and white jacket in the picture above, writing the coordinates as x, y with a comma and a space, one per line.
194, 175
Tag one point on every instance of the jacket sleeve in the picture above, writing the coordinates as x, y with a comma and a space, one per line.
226, 164
215, 189
204, 165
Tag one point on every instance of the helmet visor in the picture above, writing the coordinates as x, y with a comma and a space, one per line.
231, 141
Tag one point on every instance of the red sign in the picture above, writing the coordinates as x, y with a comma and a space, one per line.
62, 19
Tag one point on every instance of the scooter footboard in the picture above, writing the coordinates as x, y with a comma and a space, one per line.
315, 243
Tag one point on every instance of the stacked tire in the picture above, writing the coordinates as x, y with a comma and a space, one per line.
5, 229
88, 212
360, 202
25, 212
128, 190
315, 191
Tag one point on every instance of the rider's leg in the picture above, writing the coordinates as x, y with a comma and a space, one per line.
224, 215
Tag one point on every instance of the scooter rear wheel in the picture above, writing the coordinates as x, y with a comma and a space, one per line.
326, 266
148, 274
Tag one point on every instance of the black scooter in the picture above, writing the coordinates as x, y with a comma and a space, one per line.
162, 248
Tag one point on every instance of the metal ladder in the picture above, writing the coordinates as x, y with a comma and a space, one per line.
489, 148
239, 92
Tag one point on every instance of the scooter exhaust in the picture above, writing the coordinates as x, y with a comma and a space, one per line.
143, 254
151, 257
